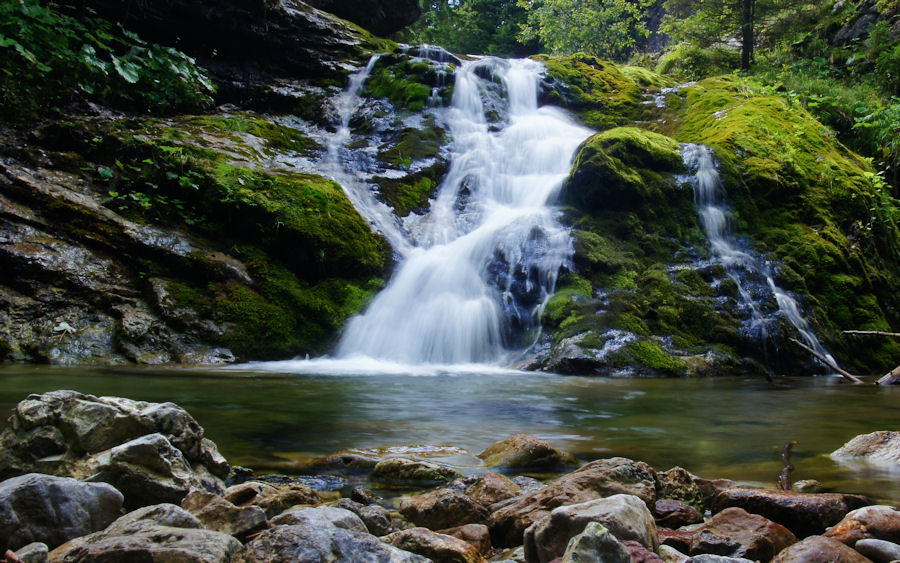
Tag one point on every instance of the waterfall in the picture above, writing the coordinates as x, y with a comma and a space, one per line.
479, 267
740, 265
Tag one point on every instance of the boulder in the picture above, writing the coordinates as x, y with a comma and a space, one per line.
879, 551
53, 510
804, 514
819, 549
678, 539
218, 514
272, 499
879, 522
640, 554
442, 508
435, 546
321, 516
363, 495
381, 17
671, 555
491, 488
328, 543
376, 518
679, 484
476, 535
163, 532
736, 533
524, 451
882, 447
675, 514
35, 552
595, 480
404, 470
595, 545
712, 558
625, 516
151, 452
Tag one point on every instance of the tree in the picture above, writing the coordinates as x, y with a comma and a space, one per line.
705, 23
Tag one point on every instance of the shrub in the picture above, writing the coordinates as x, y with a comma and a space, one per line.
689, 62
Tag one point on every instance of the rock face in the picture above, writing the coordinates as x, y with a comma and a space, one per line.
378, 16
736, 533
882, 446
818, 549
435, 546
595, 480
149, 451
804, 514
524, 451
53, 510
879, 522
626, 517
155, 533
299, 543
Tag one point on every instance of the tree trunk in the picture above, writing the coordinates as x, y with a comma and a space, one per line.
746, 33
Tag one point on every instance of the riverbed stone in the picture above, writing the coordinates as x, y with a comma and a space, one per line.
881, 447
878, 521
640, 554
819, 549
678, 539
671, 513
492, 488
879, 551
321, 543
525, 452
594, 544
435, 546
272, 499
163, 532
321, 516
35, 552
218, 514
376, 518
405, 470
804, 514
680, 484
476, 535
598, 479
443, 508
734, 532
625, 516
671, 555
53, 510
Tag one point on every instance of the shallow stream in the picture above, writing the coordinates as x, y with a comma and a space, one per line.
271, 418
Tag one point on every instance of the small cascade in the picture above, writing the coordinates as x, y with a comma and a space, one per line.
345, 170
748, 271
484, 260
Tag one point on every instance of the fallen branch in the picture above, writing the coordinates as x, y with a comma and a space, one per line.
829, 362
872, 332
890, 378
784, 480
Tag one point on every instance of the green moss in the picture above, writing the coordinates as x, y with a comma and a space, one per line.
689, 62
648, 355
412, 192
407, 82
415, 144
646, 78
599, 92
278, 138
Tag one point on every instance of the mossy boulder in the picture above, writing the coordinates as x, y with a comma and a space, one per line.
408, 81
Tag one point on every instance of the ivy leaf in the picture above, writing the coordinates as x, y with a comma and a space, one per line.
127, 70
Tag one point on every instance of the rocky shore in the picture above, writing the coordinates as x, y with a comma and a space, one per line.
110, 479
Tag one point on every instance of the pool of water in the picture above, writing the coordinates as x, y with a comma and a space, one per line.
272, 418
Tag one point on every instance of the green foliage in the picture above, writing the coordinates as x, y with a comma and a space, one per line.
606, 28
691, 62
49, 58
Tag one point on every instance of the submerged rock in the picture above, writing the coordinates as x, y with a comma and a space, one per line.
403, 470
525, 452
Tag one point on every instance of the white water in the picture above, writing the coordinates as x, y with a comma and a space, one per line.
738, 264
487, 255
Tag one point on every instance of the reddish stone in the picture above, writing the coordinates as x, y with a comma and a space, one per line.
879, 522
491, 488
675, 514
736, 533
679, 539
819, 549
640, 554
476, 535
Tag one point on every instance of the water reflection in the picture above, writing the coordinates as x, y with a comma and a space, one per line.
713, 427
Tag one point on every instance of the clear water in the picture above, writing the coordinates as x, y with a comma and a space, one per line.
725, 427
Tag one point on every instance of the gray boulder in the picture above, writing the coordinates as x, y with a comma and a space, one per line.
36, 552
376, 518
321, 517
880, 447
53, 510
273, 499
218, 514
403, 470
879, 551
595, 545
152, 452
626, 517
289, 544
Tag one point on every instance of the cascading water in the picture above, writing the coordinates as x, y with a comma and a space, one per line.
485, 258
740, 265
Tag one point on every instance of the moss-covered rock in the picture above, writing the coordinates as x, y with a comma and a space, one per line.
408, 81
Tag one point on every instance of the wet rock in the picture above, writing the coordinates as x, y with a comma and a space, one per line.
272, 499
442, 508
403, 470
675, 514
879, 551
524, 451
346, 462
640, 554
218, 514
322, 517
736, 533
625, 516
363, 495
882, 446
711, 558
595, 480
151, 452
162, 532
671, 555
36, 552
569, 358
381, 17
818, 549
595, 544
302, 543
804, 514
376, 518
476, 535
435, 546
491, 488
679, 484
879, 522
53, 510
678, 539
